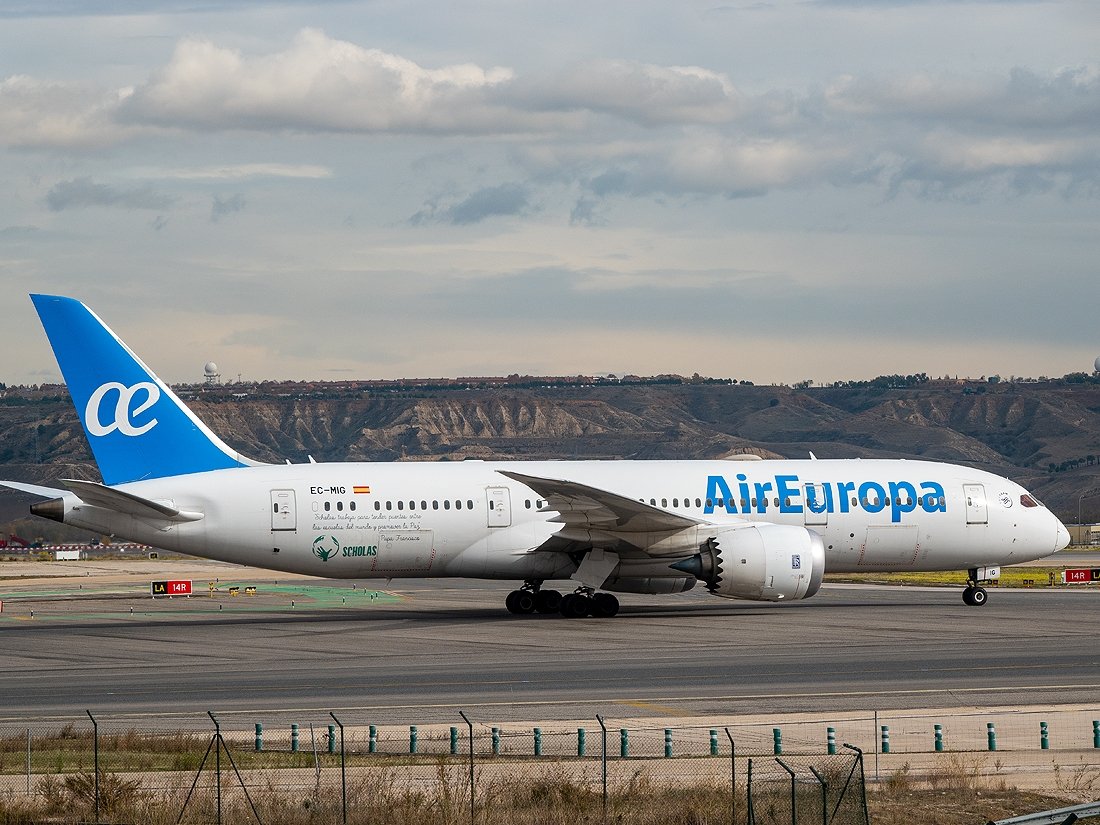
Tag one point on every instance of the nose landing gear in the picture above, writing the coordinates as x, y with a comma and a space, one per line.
973, 594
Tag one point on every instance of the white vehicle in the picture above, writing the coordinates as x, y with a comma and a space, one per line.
765, 530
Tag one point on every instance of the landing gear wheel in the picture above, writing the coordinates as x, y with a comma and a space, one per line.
604, 605
575, 605
975, 596
548, 601
520, 601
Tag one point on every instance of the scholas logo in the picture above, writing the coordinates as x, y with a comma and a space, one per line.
826, 497
325, 547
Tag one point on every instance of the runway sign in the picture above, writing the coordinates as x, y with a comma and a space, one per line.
1081, 576
178, 587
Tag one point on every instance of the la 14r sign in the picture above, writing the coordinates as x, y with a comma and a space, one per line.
177, 587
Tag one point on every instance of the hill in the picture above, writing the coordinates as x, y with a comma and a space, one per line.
1046, 435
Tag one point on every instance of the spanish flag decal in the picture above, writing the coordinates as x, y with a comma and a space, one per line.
360, 489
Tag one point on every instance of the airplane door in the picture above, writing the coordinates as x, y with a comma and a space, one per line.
283, 515
817, 505
499, 506
975, 504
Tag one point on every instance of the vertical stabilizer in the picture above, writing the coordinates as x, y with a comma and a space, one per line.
136, 426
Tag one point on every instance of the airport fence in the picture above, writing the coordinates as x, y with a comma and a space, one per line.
342, 767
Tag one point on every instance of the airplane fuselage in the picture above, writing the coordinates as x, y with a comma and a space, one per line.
392, 520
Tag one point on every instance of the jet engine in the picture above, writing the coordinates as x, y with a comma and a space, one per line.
765, 562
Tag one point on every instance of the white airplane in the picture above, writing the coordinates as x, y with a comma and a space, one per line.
763, 530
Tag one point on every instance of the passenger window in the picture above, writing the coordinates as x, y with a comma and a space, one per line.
653, 502
412, 505
435, 504
527, 503
469, 504
351, 506
377, 505
389, 505
340, 506
446, 504
458, 505
698, 502
400, 505
327, 506
676, 502
710, 502
423, 505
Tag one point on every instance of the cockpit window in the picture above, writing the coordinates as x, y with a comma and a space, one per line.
1028, 501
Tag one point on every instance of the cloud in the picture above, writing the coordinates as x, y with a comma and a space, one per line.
226, 206
317, 84
84, 192
48, 114
249, 170
492, 201
642, 92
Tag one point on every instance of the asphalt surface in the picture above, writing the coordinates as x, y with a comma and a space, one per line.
423, 650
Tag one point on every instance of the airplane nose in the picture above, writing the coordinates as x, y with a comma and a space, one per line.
1063, 537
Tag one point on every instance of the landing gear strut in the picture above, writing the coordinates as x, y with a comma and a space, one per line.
973, 595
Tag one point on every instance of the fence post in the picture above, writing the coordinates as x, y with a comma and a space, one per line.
733, 778
470, 725
28, 761
748, 792
95, 739
830, 741
343, 770
862, 779
939, 738
824, 795
794, 797
603, 760
1044, 740
991, 736
218, 757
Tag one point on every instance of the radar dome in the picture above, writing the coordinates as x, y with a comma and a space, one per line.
211, 368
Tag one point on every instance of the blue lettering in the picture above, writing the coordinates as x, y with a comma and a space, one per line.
843, 489
743, 489
934, 500
815, 506
787, 492
761, 499
897, 506
872, 505
718, 489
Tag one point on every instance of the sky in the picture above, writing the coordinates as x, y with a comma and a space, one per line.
765, 190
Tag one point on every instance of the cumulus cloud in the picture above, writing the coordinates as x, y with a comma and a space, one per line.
249, 170
84, 192
40, 113
492, 201
316, 84
642, 92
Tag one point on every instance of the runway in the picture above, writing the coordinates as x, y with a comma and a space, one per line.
428, 649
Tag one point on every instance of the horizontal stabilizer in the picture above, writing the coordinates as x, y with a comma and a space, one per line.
109, 498
33, 489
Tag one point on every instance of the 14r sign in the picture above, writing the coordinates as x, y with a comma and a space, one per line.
178, 587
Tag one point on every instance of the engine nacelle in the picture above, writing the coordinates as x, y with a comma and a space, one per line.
766, 562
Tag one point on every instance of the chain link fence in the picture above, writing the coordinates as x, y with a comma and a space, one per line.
343, 767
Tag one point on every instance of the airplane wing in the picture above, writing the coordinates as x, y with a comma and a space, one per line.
592, 518
109, 498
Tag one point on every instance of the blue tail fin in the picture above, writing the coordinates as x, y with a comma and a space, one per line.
136, 425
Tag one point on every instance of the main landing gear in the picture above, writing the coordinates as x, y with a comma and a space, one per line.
973, 595
531, 598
